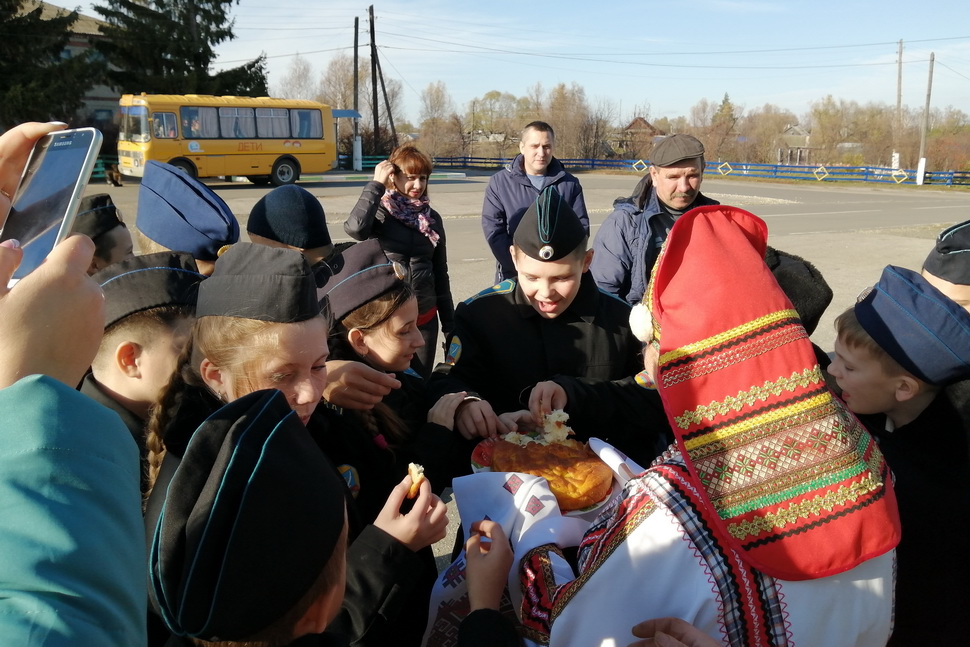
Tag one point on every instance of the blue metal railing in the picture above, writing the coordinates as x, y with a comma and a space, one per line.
816, 173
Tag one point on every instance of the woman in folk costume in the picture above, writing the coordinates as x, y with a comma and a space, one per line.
394, 208
772, 519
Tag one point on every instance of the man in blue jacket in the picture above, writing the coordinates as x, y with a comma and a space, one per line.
629, 241
513, 189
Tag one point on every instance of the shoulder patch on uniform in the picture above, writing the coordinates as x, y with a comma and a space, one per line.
351, 477
499, 288
454, 351
643, 379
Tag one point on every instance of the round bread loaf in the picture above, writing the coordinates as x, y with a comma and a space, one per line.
575, 474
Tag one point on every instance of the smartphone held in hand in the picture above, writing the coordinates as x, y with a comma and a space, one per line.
46, 201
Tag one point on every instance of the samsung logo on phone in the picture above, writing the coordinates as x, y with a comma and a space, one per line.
63, 142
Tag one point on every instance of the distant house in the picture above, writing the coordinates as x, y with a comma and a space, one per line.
100, 101
639, 135
796, 146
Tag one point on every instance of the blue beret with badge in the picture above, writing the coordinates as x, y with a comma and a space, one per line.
549, 230
181, 214
927, 333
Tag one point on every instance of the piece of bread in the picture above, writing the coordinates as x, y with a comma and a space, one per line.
575, 474
416, 472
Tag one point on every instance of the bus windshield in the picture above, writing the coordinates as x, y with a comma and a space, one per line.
134, 124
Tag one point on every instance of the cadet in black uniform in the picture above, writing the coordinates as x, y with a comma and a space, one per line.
550, 323
149, 309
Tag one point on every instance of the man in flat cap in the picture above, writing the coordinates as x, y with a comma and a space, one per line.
515, 187
551, 322
629, 241
897, 352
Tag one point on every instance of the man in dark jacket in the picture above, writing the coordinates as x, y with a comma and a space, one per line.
629, 241
513, 189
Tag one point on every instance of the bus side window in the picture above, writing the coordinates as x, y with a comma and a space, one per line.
165, 125
307, 124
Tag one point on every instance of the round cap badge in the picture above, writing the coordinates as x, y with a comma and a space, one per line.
546, 252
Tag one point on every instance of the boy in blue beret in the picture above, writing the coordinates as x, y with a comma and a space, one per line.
896, 351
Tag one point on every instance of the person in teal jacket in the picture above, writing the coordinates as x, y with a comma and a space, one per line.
71, 537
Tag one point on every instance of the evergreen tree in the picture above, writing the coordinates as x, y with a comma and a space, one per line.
38, 82
168, 46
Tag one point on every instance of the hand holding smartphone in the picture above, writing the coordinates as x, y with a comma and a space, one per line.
46, 201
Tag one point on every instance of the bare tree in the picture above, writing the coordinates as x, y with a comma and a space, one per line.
567, 113
298, 82
829, 127
436, 108
599, 125
336, 88
763, 129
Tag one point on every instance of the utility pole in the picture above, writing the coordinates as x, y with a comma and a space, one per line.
373, 82
387, 104
898, 121
921, 168
357, 156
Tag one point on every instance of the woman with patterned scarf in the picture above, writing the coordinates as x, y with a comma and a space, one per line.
394, 208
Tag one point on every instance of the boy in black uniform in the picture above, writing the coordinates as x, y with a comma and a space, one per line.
149, 309
897, 350
550, 323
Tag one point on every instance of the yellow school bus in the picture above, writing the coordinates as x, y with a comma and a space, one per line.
265, 140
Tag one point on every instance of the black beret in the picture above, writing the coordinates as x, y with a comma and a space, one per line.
182, 214
950, 258
148, 281
259, 282
359, 274
251, 516
549, 229
290, 215
918, 326
97, 215
676, 148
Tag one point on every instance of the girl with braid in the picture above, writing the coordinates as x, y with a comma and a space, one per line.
259, 326
375, 314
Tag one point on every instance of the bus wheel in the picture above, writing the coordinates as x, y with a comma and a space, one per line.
285, 171
185, 165
258, 180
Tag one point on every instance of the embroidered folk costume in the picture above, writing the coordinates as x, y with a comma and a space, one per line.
771, 520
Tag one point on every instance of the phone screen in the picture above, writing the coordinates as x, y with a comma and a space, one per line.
47, 199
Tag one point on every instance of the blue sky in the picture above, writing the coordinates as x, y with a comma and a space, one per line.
665, 55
